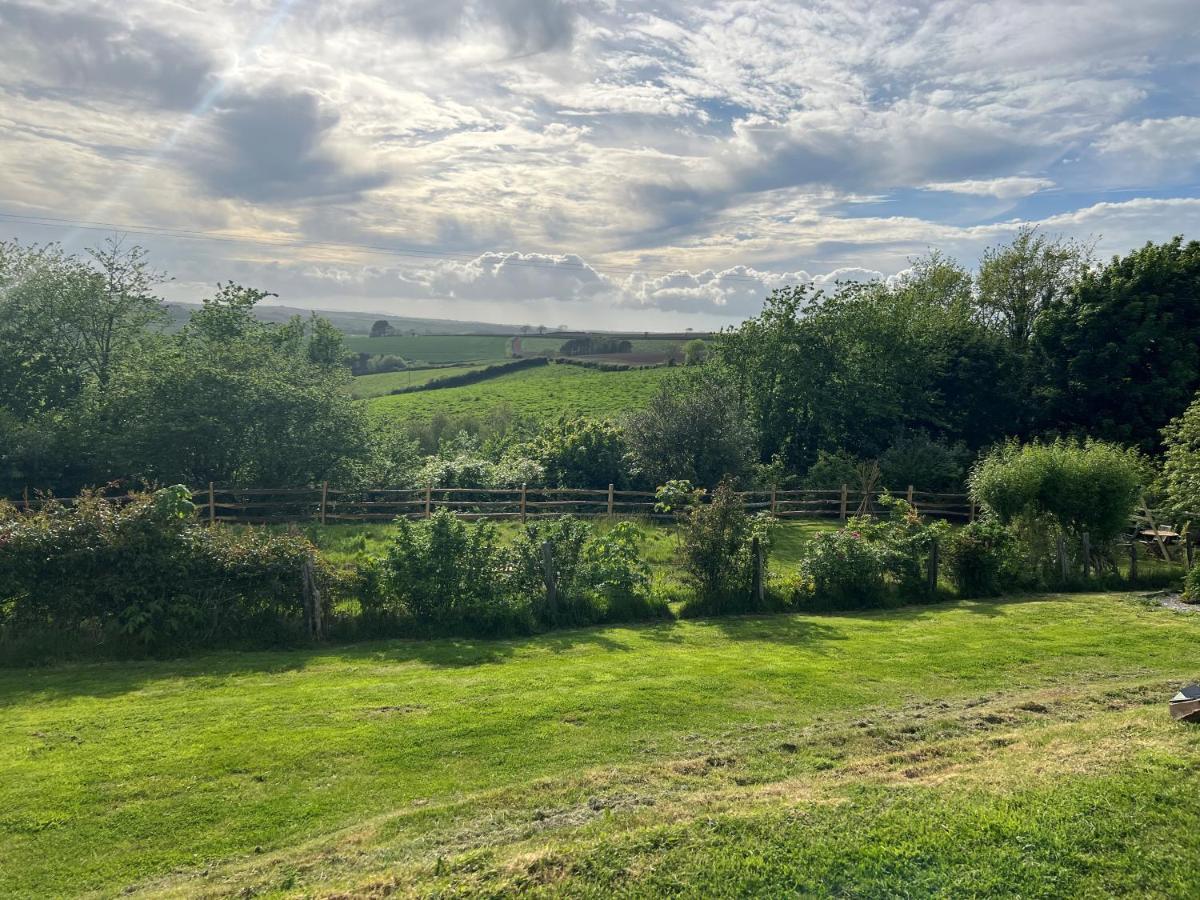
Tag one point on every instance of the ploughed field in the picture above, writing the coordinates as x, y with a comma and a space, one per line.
544, 392
1011, 747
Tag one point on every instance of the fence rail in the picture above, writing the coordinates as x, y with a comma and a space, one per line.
325, 504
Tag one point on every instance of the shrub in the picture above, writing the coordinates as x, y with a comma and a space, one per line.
982, 558
844, 570
832, 470
581, 453
141, 574
599, 576
1191, 585
903, 540
1077, 487
443, 572
717, 540
1181, 465
914, 458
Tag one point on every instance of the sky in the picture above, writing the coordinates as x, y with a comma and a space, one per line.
594, 163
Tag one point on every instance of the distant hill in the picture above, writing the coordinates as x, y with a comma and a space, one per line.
356, 322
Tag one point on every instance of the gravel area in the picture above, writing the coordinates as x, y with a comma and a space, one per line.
1172, 601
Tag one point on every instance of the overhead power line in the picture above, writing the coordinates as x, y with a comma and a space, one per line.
410, 252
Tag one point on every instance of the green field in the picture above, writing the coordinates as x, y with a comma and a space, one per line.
434, 348
536, 344
545, 393
384, 383
981, 748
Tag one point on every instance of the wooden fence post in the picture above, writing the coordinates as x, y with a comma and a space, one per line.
522, 501
429, 499
845, 499
773, 490
312, 598
1133, 557
212, 504
324, 499
25, 494
757, 556
610, 500
550, 579
1063, 568
933, 567
1187, 549
971, 515
1087, 554
909, 495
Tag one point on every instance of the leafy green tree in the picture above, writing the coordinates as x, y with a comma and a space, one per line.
231, 400
1119, 357
581, 453
1181, 463
1019, 280
693, 428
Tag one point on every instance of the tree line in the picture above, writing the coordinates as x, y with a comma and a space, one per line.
910, 378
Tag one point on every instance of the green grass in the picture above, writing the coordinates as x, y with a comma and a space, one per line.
381, 385
545, 393
1018, 747
434, 348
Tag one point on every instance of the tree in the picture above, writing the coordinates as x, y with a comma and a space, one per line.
382, 328
695, 352
112, 317
229, 399
1181, 464
694, 428
326, 345
1021, 279
581, 453
1119, 357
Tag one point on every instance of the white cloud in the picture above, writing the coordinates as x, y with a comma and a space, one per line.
1007, 188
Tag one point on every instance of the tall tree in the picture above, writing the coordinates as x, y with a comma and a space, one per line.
1119, 357
1019, 280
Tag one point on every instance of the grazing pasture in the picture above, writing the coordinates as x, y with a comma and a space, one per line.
998, 747
383, 383
543, 393
434, 348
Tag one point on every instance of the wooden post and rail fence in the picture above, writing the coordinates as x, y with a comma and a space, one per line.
326, 504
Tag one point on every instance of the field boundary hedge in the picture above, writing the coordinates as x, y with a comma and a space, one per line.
473, 377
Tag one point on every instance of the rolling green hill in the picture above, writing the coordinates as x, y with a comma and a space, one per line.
544, 393
434, 348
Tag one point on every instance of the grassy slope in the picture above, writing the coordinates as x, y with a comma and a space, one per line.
434, 348
545, 392
384, 383
1020, 745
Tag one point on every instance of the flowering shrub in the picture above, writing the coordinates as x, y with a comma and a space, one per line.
903, 541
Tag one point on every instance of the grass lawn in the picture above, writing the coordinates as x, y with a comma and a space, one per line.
981, 748
434, 348
384, 383
545, 393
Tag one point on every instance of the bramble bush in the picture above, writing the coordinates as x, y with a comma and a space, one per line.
871, 562
983, 559
444, 575
141, 575
718, 562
